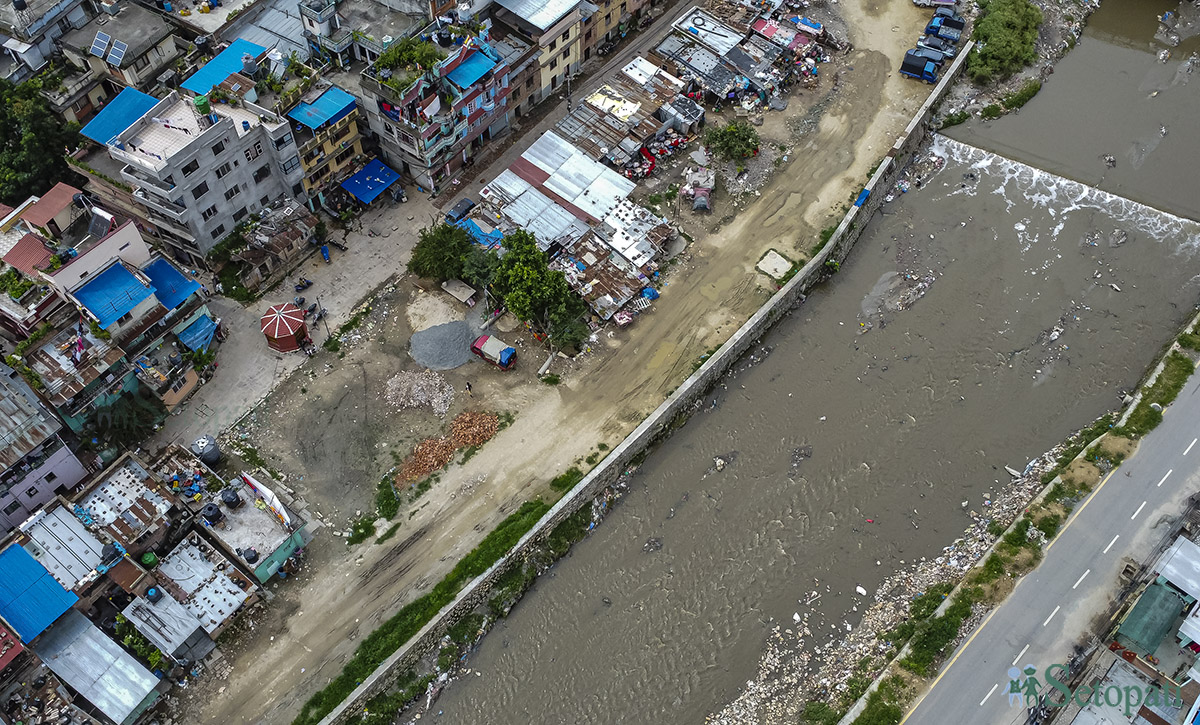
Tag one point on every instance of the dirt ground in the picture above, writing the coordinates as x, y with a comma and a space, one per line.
332, 433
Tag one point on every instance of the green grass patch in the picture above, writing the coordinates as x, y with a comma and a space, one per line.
820, 713
1177, 369
251, 456
446, 657
823, 239
389, 533
381, 710
990, 111
468, 453
551, 379
361, 530
1020, 97
386, 502
506, 419
991, 571
930, 641
401, 627
1076, 444
572, 529
885, 706
592, 458
466, 629
509, 587
566, 480
954, 119
1190, 341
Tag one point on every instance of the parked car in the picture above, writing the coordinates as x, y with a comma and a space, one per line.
932, 42
950, 18
919, 67
494, 351
934, 3
460, 210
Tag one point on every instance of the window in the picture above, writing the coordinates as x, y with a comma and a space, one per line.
178, 384
254, 151
191, 167
566, 35
201, 190
291, 165
218, 147
264, 201
216, 233
141, 63
515, 95
32, 491
565, 54
554, 63
283, 140
553, 45
125, 318
239, 214
529, 82
209, 213
298, 190
263, 172
12, 508
233, 191
51, 476
223, 169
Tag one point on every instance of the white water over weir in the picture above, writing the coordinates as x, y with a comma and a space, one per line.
1061, 196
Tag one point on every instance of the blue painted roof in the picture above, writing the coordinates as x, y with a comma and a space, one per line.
199, 334
371, 181
30, 598
120, 113
333, 105
111, 294
471, 70
170, 286
227, 62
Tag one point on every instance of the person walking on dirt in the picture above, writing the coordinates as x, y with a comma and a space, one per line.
468, 389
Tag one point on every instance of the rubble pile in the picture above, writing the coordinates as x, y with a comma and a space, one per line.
472, 428
800, 665
417, 390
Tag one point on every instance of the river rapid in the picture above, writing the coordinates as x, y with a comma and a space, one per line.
978, 322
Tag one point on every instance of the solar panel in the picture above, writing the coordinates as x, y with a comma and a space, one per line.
100, 44
117, 54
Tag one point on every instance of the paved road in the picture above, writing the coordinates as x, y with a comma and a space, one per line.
1051, 608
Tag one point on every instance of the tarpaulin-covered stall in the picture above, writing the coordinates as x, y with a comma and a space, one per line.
371, 181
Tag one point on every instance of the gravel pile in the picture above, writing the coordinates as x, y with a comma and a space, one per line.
442, 347
417, 390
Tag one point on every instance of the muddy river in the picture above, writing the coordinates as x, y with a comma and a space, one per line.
978, 322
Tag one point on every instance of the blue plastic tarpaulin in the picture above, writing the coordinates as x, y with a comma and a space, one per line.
862, 197
470, 70
170, 286
111, 294
227, 62
30, 598
490, 239
120, 113
199, 334
333, 105
371, 181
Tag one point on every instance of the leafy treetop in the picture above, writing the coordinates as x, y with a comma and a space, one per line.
33, 142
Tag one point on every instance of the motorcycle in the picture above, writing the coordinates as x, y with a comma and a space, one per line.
325, 253
339, 245
320, 313
311, 309
303, 284
298, 301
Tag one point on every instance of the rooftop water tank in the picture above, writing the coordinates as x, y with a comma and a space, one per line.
249, 65
202, 105
250, 555
211, 513
231, 498
154, 594
205, 448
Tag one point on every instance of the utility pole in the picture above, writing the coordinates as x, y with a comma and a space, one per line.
321, 307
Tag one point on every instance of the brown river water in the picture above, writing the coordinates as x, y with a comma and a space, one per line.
977, 323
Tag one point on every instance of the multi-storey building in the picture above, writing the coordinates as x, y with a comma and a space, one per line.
432, 121
201, 165
555, 28
326, 131
31, 27
131, 47
35, 463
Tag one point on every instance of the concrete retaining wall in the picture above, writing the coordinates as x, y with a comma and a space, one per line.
659, 424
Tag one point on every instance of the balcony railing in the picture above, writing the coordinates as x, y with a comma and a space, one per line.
171, 209
138, 178
333, 133
318, 10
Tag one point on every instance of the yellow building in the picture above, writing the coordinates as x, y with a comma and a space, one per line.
556, 29
325, 126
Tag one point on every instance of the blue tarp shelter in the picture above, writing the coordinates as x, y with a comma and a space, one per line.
120, 113
371, 181
490, 239
466, 73
170, 286
199, 334
30, 598
333, 105
227, 62
112, 293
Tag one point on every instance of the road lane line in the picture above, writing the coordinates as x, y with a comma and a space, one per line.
1071, 519
1081, 576
1019, 656
1051, 615
1164, 478
1189, 448
957, 654
985, 697
1135, 513
1110, 544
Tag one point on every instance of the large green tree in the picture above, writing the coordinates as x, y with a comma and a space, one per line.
33, 142
440, 252
537, 294
1006, 39
733, 141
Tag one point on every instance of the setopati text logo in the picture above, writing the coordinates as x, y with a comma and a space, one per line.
1026, 690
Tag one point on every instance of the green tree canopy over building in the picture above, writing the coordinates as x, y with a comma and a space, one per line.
34, 142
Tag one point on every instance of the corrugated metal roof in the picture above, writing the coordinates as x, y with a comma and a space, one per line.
94, 666
61, 543
29, 255
30, 598
166, 623
1180, 564
576, 177
24, 424
539, 13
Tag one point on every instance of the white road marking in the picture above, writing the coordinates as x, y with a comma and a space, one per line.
1189, 448
1135, 513
1022, 654
1164, 478
1051, 615
1081, 576
985, 697
1110, 544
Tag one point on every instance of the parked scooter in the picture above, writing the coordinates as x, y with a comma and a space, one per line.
339, 245
303, 285
311, 309
325, 253
298, 301
320, 313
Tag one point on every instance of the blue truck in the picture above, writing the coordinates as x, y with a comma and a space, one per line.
916, 65
941, 27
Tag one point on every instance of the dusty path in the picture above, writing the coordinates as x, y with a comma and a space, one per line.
702, 306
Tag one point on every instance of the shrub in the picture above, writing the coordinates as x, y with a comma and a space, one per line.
953, 119
1176, 370
566, 480
1020, 97
990, 111
1006, 38
733, 141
